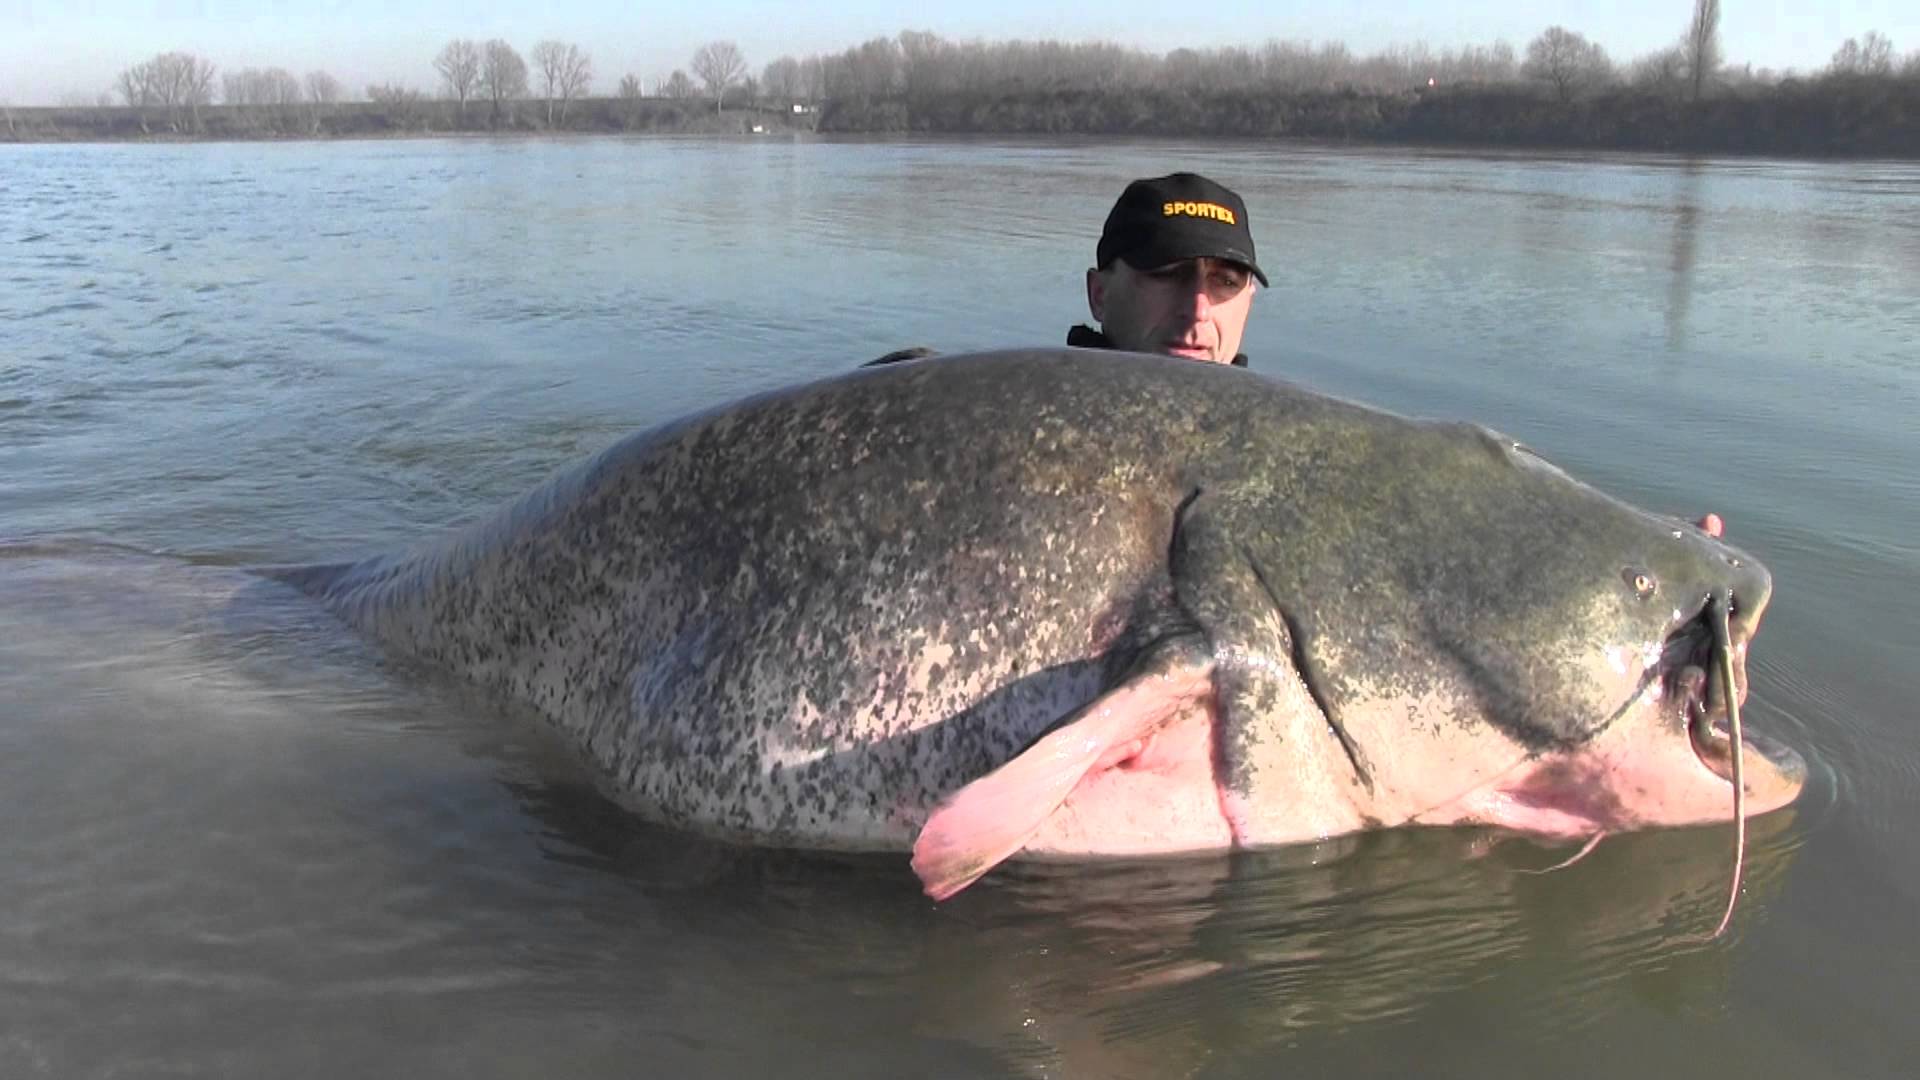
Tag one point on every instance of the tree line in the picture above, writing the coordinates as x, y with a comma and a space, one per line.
1562, 89
480, 86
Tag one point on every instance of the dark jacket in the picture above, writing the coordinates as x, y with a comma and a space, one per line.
1082, 336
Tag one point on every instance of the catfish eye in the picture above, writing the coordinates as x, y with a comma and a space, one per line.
1643, 584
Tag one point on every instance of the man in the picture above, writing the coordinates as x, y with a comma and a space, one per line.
1174, 272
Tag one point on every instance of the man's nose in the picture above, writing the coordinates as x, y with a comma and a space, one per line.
1199, 300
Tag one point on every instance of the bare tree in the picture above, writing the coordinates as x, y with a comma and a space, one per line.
195, 77
781, 79
629, 86
1663, 72
1496, 64
322, 88
565, 72
323, 91
261, 86
926, 70
1700, 46
1869, 55
719, 64
1566, 61
404, 106
867, 71
270, 97
459, 68
1747, 77
1910, 67
133, 85
547, 59
1877, 51
284, 98
813, 78
677, 85
576, 80
1846, 58
177, 81
1300, 65
503, 75
283, 89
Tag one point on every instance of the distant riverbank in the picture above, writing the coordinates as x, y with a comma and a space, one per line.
401, 115
1828, 117
1868, 117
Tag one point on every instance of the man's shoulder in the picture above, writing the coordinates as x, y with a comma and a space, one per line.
1086, 337
1080, 336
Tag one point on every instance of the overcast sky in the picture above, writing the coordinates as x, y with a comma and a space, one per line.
55, 49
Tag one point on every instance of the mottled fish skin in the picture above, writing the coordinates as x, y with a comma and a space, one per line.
807, 617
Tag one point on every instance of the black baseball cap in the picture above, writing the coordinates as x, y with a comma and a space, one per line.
1169, 218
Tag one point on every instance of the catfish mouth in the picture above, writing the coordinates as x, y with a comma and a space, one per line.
1707, 658
1702, 705
1690, 682
1702, 701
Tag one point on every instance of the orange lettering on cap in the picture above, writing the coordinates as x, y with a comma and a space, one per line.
1198, 209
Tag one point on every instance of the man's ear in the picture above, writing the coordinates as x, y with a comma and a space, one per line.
1097, 295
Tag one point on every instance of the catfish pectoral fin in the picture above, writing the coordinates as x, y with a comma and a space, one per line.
992, 818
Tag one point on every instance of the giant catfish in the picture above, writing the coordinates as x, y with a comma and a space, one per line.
1067, 604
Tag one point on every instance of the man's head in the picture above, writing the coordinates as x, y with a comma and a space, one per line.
1175, 269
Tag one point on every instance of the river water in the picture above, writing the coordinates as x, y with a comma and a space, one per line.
242, 843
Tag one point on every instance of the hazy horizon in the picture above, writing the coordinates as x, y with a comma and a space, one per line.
52, 53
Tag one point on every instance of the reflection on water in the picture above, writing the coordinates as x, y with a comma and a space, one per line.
1141, 972
1686, 224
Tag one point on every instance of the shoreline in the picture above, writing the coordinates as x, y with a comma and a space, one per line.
1832, 120
1465, 147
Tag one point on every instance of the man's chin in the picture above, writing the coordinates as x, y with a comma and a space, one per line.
1189, 352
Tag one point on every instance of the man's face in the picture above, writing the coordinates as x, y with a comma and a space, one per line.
1196, 308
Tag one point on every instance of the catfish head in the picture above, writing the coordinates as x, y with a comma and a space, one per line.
1377, 622
1493, 642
